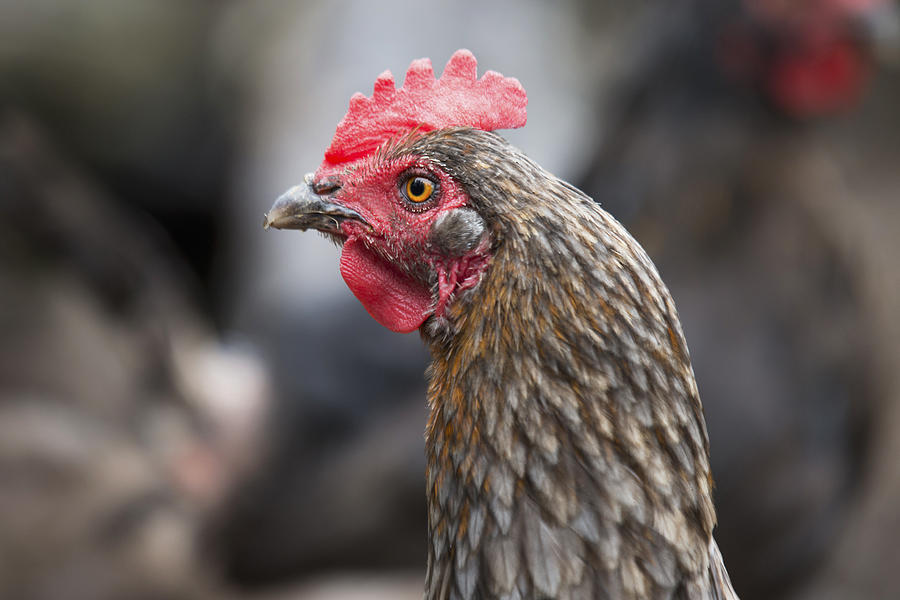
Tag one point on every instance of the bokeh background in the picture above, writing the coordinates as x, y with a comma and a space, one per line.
193, 408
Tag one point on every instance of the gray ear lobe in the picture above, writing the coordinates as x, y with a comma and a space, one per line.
457, 232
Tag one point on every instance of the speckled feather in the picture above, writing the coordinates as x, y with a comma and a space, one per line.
566, 446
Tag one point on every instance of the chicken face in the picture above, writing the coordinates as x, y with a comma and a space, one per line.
410, 243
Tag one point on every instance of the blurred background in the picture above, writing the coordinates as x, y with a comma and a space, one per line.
192, 408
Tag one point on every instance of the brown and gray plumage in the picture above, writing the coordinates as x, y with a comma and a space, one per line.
566, 447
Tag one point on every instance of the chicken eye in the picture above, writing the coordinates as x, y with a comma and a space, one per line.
418, 189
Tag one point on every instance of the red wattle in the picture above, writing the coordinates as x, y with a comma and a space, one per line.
392, 297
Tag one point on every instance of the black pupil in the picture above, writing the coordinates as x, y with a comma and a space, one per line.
417, 187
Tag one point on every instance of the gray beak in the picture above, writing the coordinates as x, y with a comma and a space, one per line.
302, 208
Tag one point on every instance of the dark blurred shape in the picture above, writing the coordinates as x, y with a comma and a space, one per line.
127, 88
328, 508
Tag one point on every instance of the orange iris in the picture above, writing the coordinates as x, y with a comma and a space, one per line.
419, 189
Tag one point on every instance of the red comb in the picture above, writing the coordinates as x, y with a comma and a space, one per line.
458, 98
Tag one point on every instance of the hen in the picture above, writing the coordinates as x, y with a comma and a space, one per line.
566, 446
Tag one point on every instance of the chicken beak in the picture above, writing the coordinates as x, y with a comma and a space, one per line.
302, 208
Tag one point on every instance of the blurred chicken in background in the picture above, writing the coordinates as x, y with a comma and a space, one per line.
145, 332
122, 421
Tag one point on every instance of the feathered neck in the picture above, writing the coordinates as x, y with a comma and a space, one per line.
561, 392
